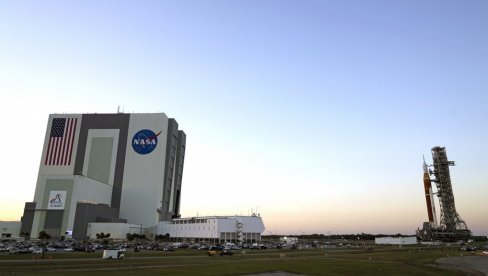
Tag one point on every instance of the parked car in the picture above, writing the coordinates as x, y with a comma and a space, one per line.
226, 252
215, 250
254, 246
112, 254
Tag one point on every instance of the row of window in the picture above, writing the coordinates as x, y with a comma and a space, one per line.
189, 221
191, 227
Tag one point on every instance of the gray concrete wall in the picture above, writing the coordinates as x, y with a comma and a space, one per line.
27, 219
180, 161
105, 121
87, 212
171, 144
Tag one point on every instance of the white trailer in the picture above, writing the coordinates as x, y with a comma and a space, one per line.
112, 254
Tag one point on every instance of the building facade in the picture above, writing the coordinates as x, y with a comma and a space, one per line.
9, 230
120, 168
215, 229
396, 240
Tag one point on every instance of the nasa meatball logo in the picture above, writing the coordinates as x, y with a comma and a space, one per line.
145, 141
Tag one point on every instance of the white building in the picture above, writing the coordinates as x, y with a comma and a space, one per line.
117, 231
9, 229
289, 241
396, 240
216, 229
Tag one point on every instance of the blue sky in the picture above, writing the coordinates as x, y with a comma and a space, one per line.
315, 112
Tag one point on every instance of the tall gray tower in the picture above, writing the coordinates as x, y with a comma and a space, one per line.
451, 227
450, 219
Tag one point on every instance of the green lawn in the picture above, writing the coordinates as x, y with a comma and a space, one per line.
379, 261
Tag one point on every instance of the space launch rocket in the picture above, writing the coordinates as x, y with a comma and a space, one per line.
429, 197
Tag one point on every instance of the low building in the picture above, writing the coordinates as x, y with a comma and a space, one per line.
214, 229
117, 231
289, 241
396, 240
9, 229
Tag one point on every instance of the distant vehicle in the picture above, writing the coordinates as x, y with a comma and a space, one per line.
226, 252
51, 249
204, 247
97, 246
69, 249
215, 250
15, 250
485, 253
112, 254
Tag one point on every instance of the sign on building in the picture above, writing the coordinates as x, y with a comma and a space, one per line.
56, 200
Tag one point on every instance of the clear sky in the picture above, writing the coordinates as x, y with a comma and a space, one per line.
315, 113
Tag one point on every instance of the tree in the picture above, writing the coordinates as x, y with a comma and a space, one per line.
102, 235
131, 237
159, 237
44, 236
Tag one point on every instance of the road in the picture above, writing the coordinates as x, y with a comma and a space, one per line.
478, 263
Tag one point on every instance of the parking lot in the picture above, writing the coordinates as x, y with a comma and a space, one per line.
181, 259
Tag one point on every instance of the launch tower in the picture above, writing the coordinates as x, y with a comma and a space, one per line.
451, 226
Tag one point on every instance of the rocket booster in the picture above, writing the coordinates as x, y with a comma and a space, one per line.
429, 197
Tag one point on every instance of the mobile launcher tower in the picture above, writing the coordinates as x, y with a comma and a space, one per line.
451, 226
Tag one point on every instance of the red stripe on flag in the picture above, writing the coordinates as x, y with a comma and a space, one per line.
63, 144
59, 141
68, 141
48, 151
65, 156
54, 152
60, 150
63, 152
72, 141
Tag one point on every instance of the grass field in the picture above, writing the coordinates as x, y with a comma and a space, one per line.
380, 261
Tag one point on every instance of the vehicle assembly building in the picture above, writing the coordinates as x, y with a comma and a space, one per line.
106, 168
450, 227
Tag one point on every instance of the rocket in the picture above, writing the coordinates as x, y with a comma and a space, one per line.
429, 197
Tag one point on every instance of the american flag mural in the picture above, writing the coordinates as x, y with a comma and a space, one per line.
61, 141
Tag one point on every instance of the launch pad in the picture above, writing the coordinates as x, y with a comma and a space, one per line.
451, 227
